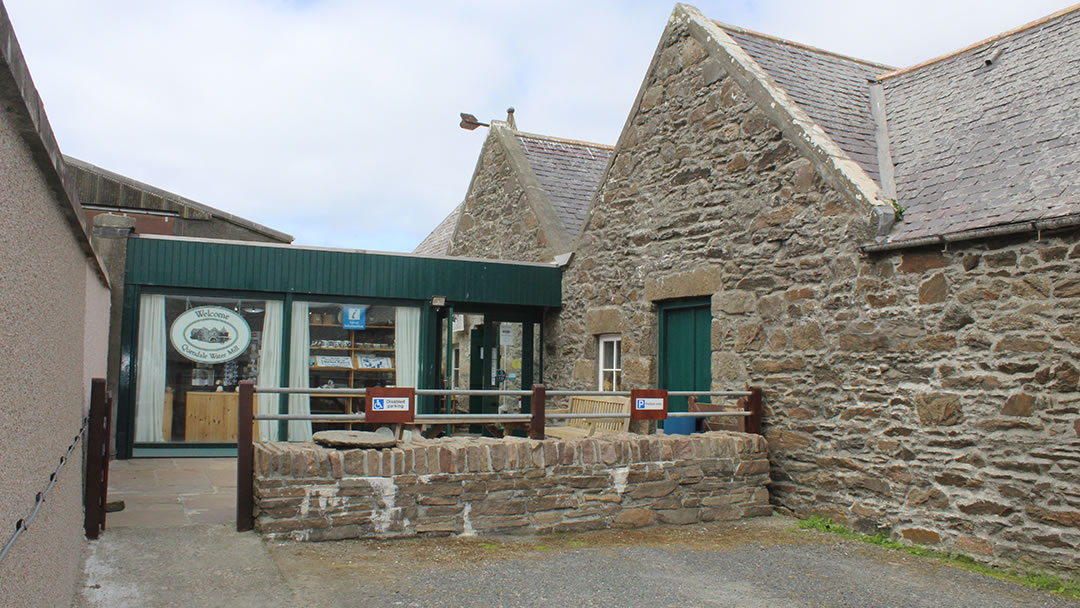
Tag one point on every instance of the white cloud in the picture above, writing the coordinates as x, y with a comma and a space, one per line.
336, 121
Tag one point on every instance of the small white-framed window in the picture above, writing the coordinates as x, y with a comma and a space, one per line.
609, 363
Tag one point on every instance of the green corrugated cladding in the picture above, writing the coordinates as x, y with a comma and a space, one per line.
236, 267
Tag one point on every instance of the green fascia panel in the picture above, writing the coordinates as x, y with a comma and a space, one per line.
198, 264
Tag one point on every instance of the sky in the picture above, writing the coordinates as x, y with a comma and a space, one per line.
336, 121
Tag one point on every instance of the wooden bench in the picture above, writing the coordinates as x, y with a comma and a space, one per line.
585, 427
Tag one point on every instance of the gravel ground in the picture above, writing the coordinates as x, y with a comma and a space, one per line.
760, 562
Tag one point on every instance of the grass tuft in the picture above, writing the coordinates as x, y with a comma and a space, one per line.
1036, 580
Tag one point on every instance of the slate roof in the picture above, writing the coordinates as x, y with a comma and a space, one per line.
976, 146
832, 89
438, 242
972, 145
570, 173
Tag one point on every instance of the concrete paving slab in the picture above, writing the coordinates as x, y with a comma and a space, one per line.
137, 498
169, 492
200, 565
222, 478
210, 509
158, 515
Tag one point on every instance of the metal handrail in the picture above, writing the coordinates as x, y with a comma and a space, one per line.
441, 392
454, 418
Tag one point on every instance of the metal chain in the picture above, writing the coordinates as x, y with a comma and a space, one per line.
39, 498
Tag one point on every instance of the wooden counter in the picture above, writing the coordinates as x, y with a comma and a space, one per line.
166, 422
211, 416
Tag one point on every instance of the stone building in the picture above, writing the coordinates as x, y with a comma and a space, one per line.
526, 202
55, 307
889, 253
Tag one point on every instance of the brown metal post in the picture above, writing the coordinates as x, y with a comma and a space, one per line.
97, 460
105, 457
753, 421
536, 423
245, 459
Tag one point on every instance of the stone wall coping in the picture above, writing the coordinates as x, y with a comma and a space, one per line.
476, 455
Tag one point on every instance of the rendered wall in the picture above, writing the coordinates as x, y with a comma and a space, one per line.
43, 306
928, 395
512, 485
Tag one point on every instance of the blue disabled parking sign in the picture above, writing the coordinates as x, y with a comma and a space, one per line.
390, 404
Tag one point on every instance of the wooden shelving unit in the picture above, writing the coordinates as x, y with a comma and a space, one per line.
349, 377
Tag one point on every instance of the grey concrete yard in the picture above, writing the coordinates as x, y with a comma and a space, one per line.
174, 545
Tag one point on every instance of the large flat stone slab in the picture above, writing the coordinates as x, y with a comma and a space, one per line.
347, 440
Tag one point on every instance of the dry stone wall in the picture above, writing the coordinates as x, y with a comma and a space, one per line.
930, 395
497, 221
942, 402
511, 485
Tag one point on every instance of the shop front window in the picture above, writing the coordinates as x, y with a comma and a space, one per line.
192, 354
348, 346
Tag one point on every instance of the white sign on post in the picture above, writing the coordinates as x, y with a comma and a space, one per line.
649, 403
390, 404
506, 335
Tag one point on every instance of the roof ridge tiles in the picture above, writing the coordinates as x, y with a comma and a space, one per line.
814, 49
563, 140
985, 41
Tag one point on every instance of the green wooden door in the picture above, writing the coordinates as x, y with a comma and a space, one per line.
685, 355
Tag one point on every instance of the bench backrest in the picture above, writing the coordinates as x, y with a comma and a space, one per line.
601, 405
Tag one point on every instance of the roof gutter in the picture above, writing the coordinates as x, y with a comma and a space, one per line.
1038, 226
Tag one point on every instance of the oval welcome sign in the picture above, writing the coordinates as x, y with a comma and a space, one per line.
210, 334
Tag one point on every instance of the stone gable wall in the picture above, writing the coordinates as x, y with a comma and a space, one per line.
511, 485
704, 198
496, 220
928, 395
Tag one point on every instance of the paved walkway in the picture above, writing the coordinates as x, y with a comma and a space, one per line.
175, 545
170, 492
